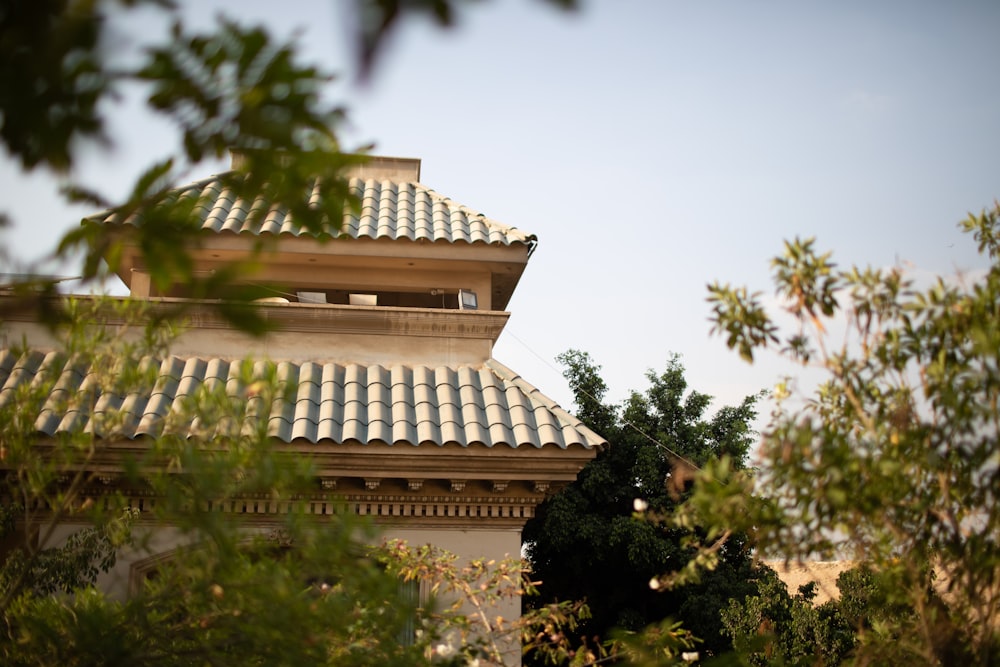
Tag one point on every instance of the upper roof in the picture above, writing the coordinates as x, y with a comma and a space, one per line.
389, 210
392, 223
487, 405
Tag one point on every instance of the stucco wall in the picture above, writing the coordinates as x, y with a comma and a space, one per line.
467, 544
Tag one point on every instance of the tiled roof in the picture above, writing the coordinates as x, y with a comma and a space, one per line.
330, 403
388, 210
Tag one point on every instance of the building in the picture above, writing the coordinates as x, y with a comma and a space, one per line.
386, 332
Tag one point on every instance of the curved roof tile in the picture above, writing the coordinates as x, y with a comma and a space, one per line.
389, 210
325, 403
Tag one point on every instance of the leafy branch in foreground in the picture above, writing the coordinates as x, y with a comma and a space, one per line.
584, 544
228, 88
893, 461
68, 498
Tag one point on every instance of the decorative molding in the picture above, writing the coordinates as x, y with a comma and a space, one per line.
412, 510
414, 500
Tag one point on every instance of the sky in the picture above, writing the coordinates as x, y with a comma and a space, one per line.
653, 146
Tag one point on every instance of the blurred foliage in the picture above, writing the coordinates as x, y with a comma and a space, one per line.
773, 627
229, 88
585, 542
376, 20
892, 462
230, 593
54, 79
302, 589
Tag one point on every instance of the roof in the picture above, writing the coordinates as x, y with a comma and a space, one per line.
388, 210
486, 405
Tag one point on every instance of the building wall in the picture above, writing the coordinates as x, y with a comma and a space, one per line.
364, 349
326, 333
468, 544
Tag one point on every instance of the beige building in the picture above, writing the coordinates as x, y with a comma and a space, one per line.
387, 332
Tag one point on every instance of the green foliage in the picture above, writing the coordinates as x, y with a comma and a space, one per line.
659, 644
68, 567
466, 628
207, 606
585, 542
892, 461
231, 88
775, 628
376, 20
53, 79
304, 592
301, 590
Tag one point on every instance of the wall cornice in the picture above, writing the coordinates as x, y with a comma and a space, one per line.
326, 318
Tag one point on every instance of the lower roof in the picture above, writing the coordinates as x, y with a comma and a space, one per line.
320, 403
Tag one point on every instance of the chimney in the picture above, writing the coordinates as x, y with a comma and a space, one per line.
380, 168
397, 169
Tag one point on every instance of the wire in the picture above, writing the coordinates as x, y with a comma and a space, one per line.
270, 288
545, 361
583, 391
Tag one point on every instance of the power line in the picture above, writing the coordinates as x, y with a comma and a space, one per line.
628, 423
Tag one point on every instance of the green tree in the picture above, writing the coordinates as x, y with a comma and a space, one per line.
306, 591
892, 461
585, 544
296, 595
773, 627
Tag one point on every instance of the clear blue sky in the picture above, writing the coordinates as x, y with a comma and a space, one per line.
653, 146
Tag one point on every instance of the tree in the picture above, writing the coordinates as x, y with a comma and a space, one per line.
196, 607
231, 88
892, 460
308, 590
584, 542
295, 595
773, 627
